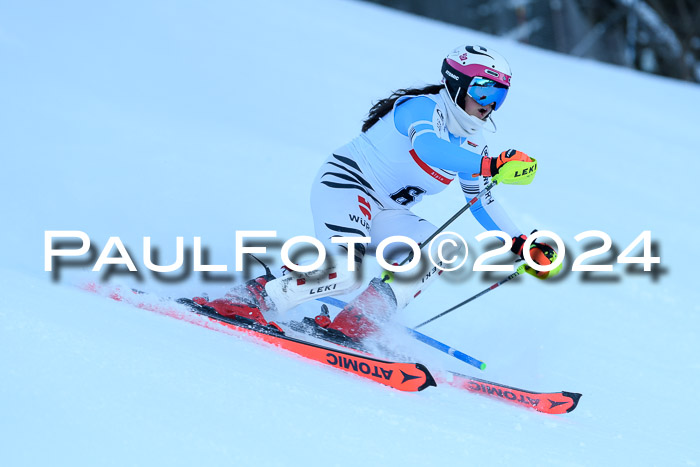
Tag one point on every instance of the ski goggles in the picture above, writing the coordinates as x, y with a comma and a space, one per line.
486, 91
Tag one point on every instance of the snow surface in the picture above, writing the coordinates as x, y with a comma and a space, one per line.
168, 119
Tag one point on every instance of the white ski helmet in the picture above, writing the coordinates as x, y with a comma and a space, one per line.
480, 72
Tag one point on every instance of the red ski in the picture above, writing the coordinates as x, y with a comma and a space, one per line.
546, 402
399, 375
403, 376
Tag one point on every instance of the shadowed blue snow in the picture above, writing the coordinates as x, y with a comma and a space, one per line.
168, 119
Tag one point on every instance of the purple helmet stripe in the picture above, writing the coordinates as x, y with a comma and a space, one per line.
480, 70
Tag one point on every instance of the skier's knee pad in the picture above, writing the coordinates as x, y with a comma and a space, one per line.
295, 288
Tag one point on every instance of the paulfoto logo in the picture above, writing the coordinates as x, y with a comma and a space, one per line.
447, 251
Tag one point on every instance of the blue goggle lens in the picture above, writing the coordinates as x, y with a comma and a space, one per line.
487, 92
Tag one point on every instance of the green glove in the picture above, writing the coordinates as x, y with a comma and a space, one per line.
517, 172
541, 253
510, 167
544, 255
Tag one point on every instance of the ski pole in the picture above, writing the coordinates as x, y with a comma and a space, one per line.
447, 349
464, 208
520, 270
421, 337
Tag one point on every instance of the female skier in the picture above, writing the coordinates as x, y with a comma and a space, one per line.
413, 143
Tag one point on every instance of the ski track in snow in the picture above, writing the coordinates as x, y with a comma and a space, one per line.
169, 120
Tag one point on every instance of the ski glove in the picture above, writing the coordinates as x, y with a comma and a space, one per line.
511, 167
541, 253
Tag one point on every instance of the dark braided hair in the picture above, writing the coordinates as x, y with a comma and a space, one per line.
382, 107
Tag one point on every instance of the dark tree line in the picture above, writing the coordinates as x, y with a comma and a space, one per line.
657, 36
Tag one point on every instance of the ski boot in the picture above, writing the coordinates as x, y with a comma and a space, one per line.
363, 316
247, 303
